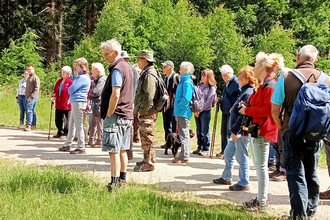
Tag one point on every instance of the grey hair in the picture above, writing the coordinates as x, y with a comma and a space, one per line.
188, 67
111, 45
82, 62
227, 70
66, 69
99, 67
309, 52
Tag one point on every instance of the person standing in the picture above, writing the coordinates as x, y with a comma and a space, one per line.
117, 112
171, 82
229, 96
20, 98
31, 97
62, 104
96, 122
182, 110
300, 156
143, 107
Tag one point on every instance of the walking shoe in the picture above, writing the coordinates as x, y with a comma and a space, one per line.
139, 163
274, 173
196, 151
33, 127
279, 178
64, 148
78, 151
144, 168
325, 194
255, 206
178, 160
21, 125
56, 136
220, 156
289, 217
203, 153
96, 146
222, 181
237, 187
27, 128
111, 187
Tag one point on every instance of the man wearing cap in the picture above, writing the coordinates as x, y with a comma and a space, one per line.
143, 106
171, 82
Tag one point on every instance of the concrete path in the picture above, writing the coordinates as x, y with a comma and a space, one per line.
194, 177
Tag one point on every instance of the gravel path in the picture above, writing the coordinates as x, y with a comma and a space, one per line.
194, 177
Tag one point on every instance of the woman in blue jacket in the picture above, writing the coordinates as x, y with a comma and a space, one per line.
182, 110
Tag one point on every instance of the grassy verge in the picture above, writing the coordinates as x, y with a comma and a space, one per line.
30, 192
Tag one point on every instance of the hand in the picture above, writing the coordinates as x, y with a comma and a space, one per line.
234, 137
52, 99
196, 114
242, 110
29, 99
230, 110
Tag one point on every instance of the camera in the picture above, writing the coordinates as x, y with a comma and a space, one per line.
250, 128
253, 130
246, 121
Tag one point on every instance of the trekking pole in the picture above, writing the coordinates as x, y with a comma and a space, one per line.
50, 118
217, 108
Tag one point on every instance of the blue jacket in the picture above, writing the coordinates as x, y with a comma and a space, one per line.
79, 89
235, 120
183, 96
229, 95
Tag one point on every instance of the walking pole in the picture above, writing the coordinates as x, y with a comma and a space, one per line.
50, 118
217, 108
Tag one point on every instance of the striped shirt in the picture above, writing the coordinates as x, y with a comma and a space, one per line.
21, 87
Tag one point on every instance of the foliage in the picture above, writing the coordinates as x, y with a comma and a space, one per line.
279, 41
20, 52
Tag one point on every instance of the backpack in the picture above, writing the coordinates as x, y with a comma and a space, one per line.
197, 101
310, 116
161, 99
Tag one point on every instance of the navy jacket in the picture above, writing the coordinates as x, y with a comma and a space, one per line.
229, 95
235, 120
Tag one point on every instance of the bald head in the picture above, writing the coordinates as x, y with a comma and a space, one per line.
307, 53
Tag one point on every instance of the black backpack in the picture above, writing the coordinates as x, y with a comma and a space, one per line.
161, 99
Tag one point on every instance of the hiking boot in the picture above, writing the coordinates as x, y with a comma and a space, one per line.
255, 206
220, 156
33, 127
178, 160
139, 163
56, 136
78, 151
203, 153
280, 177
274, 173
21, 125
325, 194
237, 187
144, 168
196, 151
27, 128
111, 187
222, 181
122, 183
64, 148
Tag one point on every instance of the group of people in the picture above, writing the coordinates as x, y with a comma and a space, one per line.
255, 105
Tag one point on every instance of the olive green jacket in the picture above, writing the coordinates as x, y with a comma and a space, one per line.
146, 91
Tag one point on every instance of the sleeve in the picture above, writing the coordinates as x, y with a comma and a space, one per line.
97, 90
36, 87
149, 88
187, 94
265, 109
210, 98
237, 126
117, 78
279, 93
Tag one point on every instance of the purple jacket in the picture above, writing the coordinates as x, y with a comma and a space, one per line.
209, 93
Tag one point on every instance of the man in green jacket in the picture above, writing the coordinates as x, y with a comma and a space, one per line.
143, 106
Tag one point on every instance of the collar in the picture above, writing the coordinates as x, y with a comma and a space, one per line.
305, 64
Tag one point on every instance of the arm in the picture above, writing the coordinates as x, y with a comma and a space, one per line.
187, 94
277, 101
149, 86
263, 110
115, 95
276, 111
209, 99
97, 90
237, 126
77, 83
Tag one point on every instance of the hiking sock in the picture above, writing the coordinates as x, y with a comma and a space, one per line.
122, 175
114, 180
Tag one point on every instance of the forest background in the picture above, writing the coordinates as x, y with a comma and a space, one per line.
208, 33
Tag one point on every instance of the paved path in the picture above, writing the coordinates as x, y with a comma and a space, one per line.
195, 177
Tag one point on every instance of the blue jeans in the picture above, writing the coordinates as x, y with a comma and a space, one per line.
240, 148
22, 107
300, 160
260, 154
31, 117
203, 130
272, 153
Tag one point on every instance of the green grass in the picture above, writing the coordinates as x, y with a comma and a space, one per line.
32, 192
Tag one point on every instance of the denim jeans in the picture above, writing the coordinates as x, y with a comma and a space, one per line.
183, 131
240, 148
31, 117
225, 132
301, 159
272, 153
260, 154
203, 130
22, 107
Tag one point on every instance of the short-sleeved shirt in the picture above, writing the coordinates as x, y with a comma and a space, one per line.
117, 78
279, 93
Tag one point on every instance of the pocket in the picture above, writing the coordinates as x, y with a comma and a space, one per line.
110, 132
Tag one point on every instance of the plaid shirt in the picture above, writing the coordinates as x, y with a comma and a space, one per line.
21, 87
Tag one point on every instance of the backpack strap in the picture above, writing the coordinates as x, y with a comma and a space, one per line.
322, 78
299, 75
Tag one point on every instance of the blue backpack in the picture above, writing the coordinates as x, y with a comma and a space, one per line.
310, 117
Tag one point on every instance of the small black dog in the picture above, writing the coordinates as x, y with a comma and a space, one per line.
173, 141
